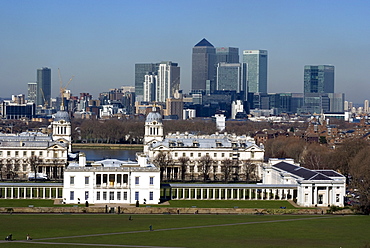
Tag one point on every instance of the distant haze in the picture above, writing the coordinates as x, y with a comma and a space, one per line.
100, 41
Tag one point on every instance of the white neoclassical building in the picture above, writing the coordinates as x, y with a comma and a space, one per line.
314, 187
51, 150
241, 150
112, 181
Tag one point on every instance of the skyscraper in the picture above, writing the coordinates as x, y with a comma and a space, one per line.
319, 79
229, 76
203, 66
43, 86
256, 66
168, 81
319, 89
141, 70
32, 92
227, 55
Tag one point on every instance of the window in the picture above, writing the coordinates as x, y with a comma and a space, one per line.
1, 153
98, 196
151, 180
199, 154
151, 196
175, 154
111, 195
87, 179
118, 196
32, 153
72, 195
72, 180
191, 154
24, 154
86, 195
8, 153
252, 154
230, 155
40, 154
137, 180
215, 155
136, 195
16, 153
337, 198
183, 154
125, 195
222, 154
104, 196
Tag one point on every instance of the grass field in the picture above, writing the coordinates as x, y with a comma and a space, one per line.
104, 230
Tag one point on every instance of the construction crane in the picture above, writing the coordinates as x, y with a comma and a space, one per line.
61, 88
43, 97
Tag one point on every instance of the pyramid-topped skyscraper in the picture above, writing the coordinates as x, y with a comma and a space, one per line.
203, 66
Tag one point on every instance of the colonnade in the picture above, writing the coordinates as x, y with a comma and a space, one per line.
235, 192
31, 191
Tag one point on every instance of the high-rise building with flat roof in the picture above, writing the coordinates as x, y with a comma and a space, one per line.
168, 81
203, 66
256, 63
319, 79
227, 55
141, 70
31, 92
229, 76
43, 86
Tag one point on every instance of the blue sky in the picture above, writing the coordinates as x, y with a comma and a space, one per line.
99, 42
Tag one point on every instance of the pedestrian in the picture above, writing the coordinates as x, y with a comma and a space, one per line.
129, 218
28, 237
151, 228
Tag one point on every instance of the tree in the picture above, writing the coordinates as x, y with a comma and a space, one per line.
314, 156
205, 164
34, 162
163, 160
360, 177
340, 158
227, 165
249, 170
1, 168
184, 161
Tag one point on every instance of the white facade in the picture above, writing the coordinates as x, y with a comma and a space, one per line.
236, 107
219, 147
112, 181
314, 187
149, 87
51, 150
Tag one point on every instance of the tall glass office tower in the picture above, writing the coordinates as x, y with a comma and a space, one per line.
43, 86
141, 70
227, 55
319, 79
203, 66
256, 66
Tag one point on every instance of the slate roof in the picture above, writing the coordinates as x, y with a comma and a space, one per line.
203, 142
305, 173
204, 43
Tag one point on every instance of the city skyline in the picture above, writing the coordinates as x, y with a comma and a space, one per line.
102, 52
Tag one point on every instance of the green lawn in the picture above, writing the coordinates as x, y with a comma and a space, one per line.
188, 230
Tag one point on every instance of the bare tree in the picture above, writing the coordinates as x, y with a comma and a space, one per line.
360, 177
249, 170
205, 164
1, 168
163, 160
227, 165
34, 162
184, 162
